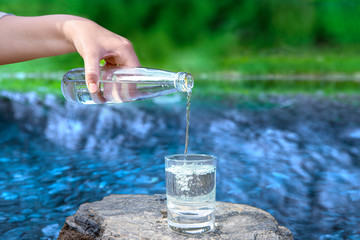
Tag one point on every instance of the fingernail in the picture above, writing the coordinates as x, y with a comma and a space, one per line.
92, 87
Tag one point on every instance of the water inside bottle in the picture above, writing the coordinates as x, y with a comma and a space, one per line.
118, 85
115, 92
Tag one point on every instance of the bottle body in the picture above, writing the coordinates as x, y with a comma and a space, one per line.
118, 85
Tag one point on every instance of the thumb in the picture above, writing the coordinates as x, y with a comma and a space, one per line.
92, 73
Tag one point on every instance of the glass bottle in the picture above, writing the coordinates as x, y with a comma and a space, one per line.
118, 85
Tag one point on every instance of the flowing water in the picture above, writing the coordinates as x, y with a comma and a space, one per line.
189, 94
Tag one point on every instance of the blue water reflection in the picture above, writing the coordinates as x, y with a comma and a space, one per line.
299, 163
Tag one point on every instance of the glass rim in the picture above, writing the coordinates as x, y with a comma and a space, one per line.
206, 157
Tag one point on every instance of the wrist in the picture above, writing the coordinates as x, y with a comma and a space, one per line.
71, 28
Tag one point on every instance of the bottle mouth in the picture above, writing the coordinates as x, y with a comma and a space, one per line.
184, 82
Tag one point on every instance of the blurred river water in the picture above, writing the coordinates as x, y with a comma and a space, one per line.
295, 156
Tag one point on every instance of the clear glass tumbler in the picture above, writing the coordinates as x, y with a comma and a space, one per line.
190, 192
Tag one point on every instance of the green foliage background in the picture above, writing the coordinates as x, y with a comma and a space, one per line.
211, 35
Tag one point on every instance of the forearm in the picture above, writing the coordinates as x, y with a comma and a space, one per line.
26, 38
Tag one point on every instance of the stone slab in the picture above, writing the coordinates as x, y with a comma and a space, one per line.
144, 217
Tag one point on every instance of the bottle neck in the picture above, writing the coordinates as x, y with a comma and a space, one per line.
183, 82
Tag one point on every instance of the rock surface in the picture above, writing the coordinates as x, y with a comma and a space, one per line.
144, 217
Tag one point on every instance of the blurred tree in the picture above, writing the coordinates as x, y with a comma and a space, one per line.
338, 21
160, 28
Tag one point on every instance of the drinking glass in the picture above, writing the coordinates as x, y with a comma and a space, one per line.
190, 192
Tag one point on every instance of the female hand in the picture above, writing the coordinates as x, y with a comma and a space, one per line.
26, 38
95, 43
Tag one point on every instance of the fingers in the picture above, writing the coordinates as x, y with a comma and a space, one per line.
116, 50
122, 54
92, 72
130, 58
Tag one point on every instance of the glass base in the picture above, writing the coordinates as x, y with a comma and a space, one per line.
190, 225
